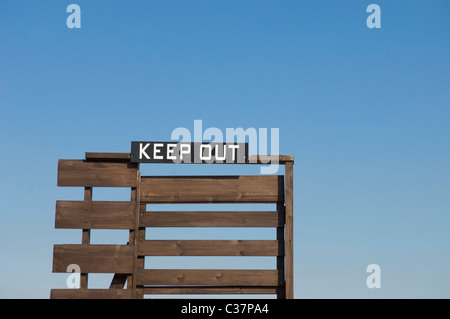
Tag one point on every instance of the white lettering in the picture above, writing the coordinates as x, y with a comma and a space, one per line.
157, 151
170, 151
142, 151
202, 151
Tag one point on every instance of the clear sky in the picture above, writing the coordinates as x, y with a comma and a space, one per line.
364, 111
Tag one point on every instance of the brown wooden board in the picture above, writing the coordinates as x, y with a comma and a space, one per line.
96, 174
94, 258
270, 159
90, 294
211, 219
212, 189
210, 248
117, 157
94, 215
214, 277
289, 236
253, 159
209, 290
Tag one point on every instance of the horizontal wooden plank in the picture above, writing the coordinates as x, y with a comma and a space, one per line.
269, 159
210, 248
94, 258
91, 294
253, 159
212, 189
94, 215
96, 174
214, 277
195, 290
96, 156
211, 219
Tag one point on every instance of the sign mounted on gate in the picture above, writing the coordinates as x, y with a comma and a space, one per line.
189, 152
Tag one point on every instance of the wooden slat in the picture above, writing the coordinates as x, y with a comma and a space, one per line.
94, 215
216, 277
211, 219
210, 248
289, 267
94, 258
212, 189
90, 294
269, 159
95, 156
209, 290
253, 159
92, 174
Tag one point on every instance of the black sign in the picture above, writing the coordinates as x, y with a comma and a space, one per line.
189, 152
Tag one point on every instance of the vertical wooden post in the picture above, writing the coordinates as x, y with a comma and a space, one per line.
135, 237
140, 260
280, 259
131, 239
289, 268
86, 238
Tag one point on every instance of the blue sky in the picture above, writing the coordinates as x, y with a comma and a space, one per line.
364, 111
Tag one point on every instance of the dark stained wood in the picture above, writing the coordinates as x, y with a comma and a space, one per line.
289, 235
253, 159
95, 215
127, 261
135, 237
212, 189
94, 258
86, 236
209, 290
118, 281
270, 159
94, 156
210, 248
90, 294
215, 277
210, 219
280, 259
92, 174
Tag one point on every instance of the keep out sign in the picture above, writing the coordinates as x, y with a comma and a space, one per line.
189, 152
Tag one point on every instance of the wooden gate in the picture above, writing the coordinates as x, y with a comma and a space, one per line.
127, 261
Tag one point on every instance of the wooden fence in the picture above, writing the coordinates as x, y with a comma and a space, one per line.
127, 261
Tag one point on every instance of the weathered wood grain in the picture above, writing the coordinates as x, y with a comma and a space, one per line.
209, 290
212, 189
94, 258
90, 294
214, 277
95, 215
210, 248
96, 174
211, 219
